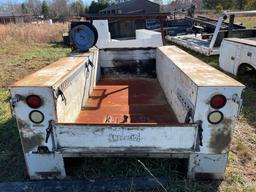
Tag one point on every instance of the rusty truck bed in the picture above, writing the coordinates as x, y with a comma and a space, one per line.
127, 100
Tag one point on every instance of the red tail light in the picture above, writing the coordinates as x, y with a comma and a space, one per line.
34, 101
218, 101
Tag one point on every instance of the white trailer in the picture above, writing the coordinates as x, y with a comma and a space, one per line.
238, 55
140, 102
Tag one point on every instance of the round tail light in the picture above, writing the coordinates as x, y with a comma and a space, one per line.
34, 101
218, 101
36, 116
215, 117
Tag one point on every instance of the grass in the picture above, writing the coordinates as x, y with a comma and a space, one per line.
22, 51
18, 59
32, 33
249, 22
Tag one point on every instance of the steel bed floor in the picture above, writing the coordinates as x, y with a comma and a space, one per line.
135, 100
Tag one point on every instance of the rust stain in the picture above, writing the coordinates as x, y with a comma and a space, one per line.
127, 101
198, 71
221, 136
29, 142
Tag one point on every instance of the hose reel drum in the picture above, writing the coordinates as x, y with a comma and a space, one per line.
83, 35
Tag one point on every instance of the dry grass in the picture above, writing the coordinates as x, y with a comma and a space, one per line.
248, 22
32, 33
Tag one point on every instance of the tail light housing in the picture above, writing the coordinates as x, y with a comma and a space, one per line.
34, 101
218, 101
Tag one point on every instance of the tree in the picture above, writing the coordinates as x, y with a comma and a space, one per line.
96, 7
45, 10
34, 6
77, 8
250, 5
86, 9
24, 8
60, 10
232, 4
219, 8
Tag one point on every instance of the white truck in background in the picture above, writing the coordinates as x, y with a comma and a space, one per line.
142, 101
238, 55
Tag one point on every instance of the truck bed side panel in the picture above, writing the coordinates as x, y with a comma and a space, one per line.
179, 90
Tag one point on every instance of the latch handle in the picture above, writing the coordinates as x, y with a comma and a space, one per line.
49, 130
13, 101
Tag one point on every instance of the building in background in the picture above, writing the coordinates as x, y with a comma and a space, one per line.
6, 18
112, 1
121, 1
127, 28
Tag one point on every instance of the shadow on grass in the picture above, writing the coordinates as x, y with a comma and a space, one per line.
172, 169
58, 44
12, 163
249, 99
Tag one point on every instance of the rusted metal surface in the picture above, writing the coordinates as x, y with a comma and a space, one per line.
126, 101
199, 72
54, 73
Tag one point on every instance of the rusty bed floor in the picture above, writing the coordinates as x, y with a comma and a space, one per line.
127, 101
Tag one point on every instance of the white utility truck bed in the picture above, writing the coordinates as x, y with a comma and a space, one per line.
146, 102
238, 55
